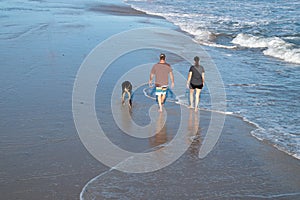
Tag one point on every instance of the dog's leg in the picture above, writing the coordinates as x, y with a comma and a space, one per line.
123, 97
129, 96
129, 99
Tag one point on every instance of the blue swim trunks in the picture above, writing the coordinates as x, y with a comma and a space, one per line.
161, 90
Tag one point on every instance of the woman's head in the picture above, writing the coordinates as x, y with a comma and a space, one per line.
196, 59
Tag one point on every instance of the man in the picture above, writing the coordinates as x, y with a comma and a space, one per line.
161, 71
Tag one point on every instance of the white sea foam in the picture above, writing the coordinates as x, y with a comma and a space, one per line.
201, 35
90, 182
243, 85
270, 196
296, 155
204, 26
275, 47
183, 21
279, 141
212, 44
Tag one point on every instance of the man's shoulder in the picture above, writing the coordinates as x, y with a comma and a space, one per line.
156, 64
166, 65
162, 65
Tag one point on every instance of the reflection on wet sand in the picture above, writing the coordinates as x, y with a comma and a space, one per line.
195, 132
161, 132
162, 136
126, 116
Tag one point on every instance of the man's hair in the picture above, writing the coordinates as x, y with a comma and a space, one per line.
162, 56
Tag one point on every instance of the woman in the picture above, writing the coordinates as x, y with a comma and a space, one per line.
195, 81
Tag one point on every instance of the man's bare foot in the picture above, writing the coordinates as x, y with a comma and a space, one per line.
196, 109
191, 107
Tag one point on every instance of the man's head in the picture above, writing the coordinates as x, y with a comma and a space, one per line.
162, 56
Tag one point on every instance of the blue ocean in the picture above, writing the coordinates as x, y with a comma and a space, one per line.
256, 47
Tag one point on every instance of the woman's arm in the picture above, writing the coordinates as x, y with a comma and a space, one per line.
189, 79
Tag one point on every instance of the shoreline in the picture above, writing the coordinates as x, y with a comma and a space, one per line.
120, 10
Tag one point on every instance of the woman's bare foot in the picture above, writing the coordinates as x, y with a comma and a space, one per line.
196, 109
191, 107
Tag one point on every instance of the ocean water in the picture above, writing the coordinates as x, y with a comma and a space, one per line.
259, 44
272, 26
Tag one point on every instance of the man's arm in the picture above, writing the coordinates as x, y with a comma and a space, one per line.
172, 79
150, 80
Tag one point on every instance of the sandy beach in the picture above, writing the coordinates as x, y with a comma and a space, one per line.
42, 156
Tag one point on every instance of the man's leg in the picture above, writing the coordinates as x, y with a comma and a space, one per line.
163, 98
159, 99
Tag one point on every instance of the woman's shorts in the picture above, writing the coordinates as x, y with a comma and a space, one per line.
161, 90
192, 86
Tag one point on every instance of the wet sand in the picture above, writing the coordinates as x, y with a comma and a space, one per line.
42, 156
239, 167
41, 50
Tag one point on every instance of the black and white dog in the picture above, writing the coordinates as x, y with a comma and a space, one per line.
127, 89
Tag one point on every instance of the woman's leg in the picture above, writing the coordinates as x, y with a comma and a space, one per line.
197, 99
191, 98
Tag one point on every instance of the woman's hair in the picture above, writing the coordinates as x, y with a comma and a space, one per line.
196, 59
